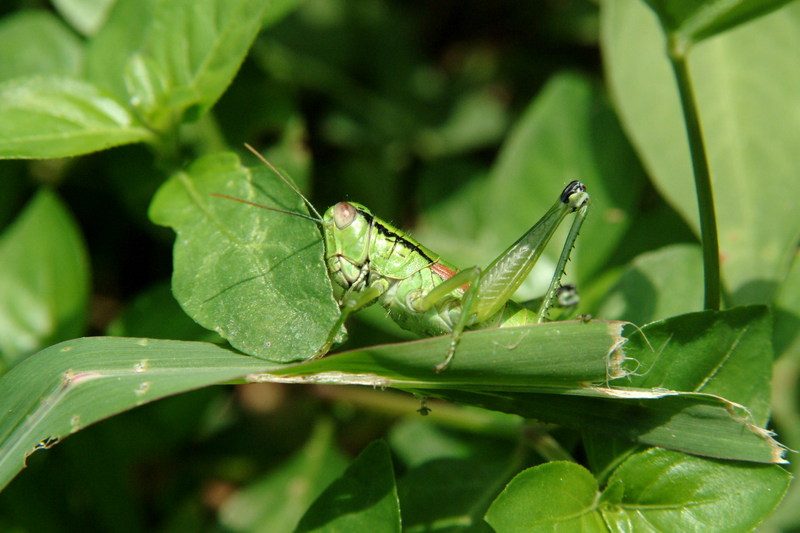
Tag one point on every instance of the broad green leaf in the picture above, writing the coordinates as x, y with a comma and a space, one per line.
277, 502
71, 385
44, 279
560, 372
556, 496
451, 494
727, 353
86, 16
363, 499
696, 20
193, 49
108, 51
569, 132
657, 285
745, 80
37, 43
255, 276
59, 117
660, 490
655, 490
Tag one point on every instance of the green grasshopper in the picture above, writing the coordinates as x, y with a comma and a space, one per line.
373, 261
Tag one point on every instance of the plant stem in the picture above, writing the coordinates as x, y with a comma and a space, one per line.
402, 404
702, 177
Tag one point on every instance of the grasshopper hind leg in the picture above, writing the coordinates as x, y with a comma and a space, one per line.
577, 199
471, 277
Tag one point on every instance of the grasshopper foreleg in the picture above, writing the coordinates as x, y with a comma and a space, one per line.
352, 301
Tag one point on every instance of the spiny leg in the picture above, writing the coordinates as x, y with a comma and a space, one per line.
577, 198
505, 274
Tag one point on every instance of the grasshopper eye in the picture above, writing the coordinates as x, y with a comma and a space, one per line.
575, 195
343, 214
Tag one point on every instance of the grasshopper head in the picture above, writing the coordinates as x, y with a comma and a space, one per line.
346, 229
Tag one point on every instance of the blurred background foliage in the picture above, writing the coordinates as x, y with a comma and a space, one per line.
411, 108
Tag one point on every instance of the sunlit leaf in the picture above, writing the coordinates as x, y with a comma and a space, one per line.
745, 80
59, 117
37, 43
255, 276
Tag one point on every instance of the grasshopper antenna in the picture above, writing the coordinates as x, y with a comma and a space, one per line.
301, 215
287, 182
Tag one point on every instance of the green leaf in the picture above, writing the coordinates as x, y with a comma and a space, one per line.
669, 491
255, 276
727, 353
696, 20
655, 490
745, 80
554, 356
363, 499
71, 385
86, 16
44, 279
560, 372
194, 48
657, 285
277, 502
59, 117
35, 43
556, 496
108, 51
435, 495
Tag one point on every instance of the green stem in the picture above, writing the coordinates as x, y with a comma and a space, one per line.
534, 436
392, 403
702, 176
